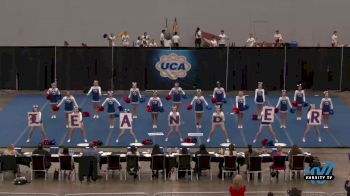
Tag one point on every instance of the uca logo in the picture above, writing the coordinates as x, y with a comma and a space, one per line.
173, 66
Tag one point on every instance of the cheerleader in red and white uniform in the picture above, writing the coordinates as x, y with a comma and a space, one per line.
95, 90
219, 94
82, 127
218, 119
155, 106
327, 109
135, 97
261, 128
198, 103
69, 104
282, 105
39, 119
308, 126
122, 131
259, 99
176, 115
176, 93
241, 106
53, 95
299, 98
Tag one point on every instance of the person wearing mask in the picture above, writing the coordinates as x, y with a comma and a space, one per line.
222, 39
162, 38
10, 151
125, 39
197, 38
41, 151
237, 187
176, 40
334, 39
278, 38
250, 41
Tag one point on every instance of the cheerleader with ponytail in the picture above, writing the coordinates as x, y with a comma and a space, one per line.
82, 127
154, 106
176, 93
299, 100
198, 103
111, 108
282, 107
219, 95
241, 106
308, 126
41, 125
53, 95
218, 120
327, 109
135, 98
95, 90
174, 121
259, 99
69, 104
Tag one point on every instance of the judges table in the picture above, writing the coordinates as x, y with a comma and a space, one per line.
171, 158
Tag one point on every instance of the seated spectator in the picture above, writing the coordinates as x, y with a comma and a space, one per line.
294, 192
231, 151
347, 186
279, 152
202, 150
133, 151
91, 151
270, 194
41, 151
295, 150
133, 167
65, 151
184, 150
10, 151
155, 150
237, 187
249, 153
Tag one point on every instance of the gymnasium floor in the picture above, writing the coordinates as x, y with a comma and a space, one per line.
14, 129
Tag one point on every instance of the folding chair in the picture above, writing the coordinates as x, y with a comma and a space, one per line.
66, 164
113, 164
279, 164
230, 166
158, 164
184, 164
38, 165
8, 163
254, 167
203, 163
296, 165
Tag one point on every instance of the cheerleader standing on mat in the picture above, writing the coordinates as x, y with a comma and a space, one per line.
53, 95
111, 109
176, 92
308, 126
261, 128
41, 126
219, 94
175, 115
241, 105
198, 102
299, 98
69, 104
282, 105
154, 106
82, 127
135, 97
327, 108
218, 114
259, 99
95, 90
122, 131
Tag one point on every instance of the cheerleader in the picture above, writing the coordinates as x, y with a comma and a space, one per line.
135, 97
122, 131
53, 95
299, 98
327, 108
96, 94
218, 113
175, 114
219, 94
198, 102
176, 92
308, 126
259, 99
111, 109
82, 127
39, 119
261, 128
69, 104
241, 105
282, 105
154, 106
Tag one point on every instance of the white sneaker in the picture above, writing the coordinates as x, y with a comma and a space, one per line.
276, 140
94, 116
208, 140
136, 141
97, 116
111, 126
67, 126
28, 140
197, 126
281, 126
134, 117
241, 126
200, 126
319, 139
154, 126
304, 139
259, 117
227, 140
68, 141
284, 126
85, 140
116, 141
52, 117
254, 141
325, 127
166, 139
181, 140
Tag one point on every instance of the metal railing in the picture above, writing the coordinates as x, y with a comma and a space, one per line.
109, 194
29, 194
192, 194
